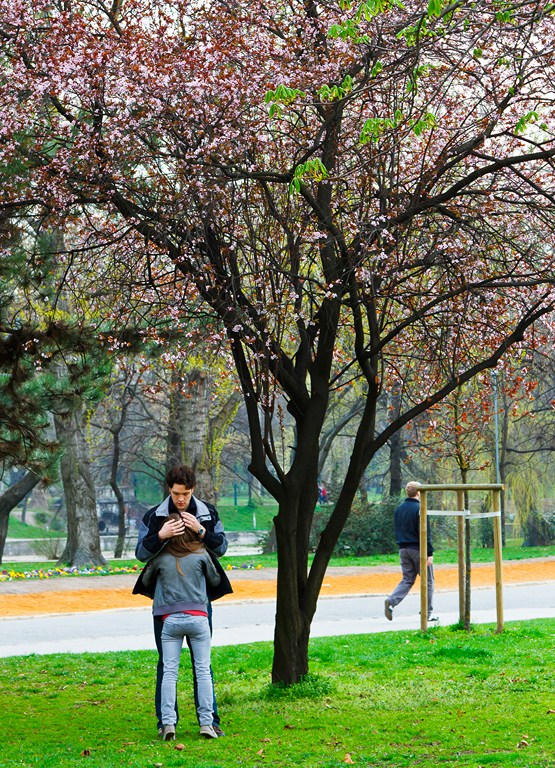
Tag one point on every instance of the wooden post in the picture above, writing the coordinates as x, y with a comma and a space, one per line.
423, 561
463, 523
497, 543
460, 555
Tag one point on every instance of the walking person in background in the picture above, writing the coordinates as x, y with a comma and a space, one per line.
180, 574
156, 531
407, 534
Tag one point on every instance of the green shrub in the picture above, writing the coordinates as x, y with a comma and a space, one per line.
368, 531
539, 529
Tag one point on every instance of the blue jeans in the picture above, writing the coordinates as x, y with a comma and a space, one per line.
410, 568
197, 631
158, 626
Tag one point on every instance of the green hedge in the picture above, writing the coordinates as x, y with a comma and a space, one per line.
368, 531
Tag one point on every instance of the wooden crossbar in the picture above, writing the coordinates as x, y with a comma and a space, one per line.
448, 512
475, 515
461, 513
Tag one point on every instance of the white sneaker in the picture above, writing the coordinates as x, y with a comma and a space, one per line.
208, 732
388, 610
433, 617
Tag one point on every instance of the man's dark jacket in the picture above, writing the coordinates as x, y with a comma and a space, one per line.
407, 525
149, 545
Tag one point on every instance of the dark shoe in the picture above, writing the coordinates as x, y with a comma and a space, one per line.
208, 732
168, 733
388, 610
218, 731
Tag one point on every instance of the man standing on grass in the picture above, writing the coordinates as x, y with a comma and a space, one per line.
407, 534
155, 532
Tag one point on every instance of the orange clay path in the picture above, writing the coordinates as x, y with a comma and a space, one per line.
73, 594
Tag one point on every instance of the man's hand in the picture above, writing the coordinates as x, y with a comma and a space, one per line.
430, 560
193, 524
171, 528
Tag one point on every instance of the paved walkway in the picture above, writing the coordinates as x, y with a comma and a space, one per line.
70, 594
237, 622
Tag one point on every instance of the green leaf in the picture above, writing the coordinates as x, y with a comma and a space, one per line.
312, 169
348, 30
426, 122
525, 121
434, 7
374, 128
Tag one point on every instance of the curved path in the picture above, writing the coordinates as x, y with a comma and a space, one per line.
79, 614
68, 594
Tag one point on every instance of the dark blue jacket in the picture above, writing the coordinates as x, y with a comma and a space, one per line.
407, 525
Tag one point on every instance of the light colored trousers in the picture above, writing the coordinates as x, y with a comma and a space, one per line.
410, 567
177, 626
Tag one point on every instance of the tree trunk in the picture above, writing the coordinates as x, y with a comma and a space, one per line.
293, 615
188, 430
395, 474
115, 431
83, 539
363, 492
24, 510
270, 545
194, 436
297, 589
10, 499
120, 542
395, 448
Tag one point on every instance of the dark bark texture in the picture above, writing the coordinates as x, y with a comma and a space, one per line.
83, 539
10, 499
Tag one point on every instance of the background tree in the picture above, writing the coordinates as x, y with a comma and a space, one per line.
35, 341
115, 409
198, 421
460, 436
11, 498
83, 541
83, 371
527, 440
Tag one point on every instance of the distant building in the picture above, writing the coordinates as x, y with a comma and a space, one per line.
108, 512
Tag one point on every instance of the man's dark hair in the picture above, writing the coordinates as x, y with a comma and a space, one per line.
181, 475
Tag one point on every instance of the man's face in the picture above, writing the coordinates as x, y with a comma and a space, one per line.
181, 496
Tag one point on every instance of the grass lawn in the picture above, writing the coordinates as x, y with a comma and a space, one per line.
244, 518
239, 517
391, 700
479, 555
441, 556
19, 530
